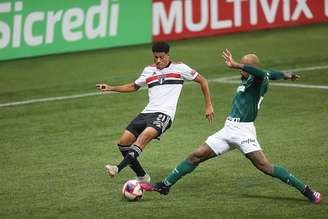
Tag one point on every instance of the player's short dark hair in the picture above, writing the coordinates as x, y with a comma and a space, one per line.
161, 47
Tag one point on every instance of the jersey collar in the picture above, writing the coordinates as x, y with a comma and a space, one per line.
168, 65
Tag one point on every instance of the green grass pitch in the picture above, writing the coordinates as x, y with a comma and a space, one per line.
52, 154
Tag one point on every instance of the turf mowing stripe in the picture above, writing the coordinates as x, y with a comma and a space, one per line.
279, 84
225, 80
296, 70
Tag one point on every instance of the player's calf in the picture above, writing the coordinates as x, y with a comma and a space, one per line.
135, 164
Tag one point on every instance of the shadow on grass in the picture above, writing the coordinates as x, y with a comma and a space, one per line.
274, 198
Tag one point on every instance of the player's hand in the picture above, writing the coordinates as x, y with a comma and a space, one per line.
230, 62
209, 113
291, 76
103, 87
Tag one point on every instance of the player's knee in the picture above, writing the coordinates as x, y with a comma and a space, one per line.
143, 140
124, 141
260, 162
127, 138
121, 142
264, 166
195, 158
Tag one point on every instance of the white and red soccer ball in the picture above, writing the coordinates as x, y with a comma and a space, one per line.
132, 190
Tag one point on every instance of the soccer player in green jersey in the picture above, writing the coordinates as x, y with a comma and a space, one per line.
239, 130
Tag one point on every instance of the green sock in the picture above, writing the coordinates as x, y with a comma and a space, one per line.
182, 169
281, 173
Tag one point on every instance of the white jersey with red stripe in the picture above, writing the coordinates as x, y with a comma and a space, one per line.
164, 86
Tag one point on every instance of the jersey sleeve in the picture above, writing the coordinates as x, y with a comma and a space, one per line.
256, 72
141, 80
275, 75
187, 72
259, 73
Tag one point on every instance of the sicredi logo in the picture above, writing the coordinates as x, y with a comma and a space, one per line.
73, 24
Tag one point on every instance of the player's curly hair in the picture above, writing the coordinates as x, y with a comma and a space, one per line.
161, 47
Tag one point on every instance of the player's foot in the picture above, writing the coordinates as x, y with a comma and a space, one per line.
111, 170
145, 178
161, 188
147, 186
313, 196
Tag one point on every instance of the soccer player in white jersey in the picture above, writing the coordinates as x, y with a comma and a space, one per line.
239, 130
164, 80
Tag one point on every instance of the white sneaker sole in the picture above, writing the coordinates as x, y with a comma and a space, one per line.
111, 170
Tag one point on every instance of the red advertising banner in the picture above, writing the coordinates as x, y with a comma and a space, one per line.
180, 19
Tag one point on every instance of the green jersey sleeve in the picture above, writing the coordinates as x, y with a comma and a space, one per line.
259, 73
256, 72
275, 75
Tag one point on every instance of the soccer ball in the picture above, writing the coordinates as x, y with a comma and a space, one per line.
132, 190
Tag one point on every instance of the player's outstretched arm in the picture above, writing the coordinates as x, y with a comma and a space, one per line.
131, 87
230, 62
257, 72
291, 76
278, 75
209, 112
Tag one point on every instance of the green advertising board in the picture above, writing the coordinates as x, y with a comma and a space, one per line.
40, 27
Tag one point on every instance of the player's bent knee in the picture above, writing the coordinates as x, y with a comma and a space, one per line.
148, 134
193, 160
196, 158
127, 138
202, 153
265, 167
122, 142
143, 140
260, 162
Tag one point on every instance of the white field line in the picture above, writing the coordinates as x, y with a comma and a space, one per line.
308, 68
225, 80
49, 99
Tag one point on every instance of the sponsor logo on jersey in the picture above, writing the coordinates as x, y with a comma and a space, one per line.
161, 79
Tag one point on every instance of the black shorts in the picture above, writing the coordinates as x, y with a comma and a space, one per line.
159, 121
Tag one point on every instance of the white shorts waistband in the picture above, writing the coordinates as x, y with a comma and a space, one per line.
234, 121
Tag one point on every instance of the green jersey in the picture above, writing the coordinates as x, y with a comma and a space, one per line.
250, 93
